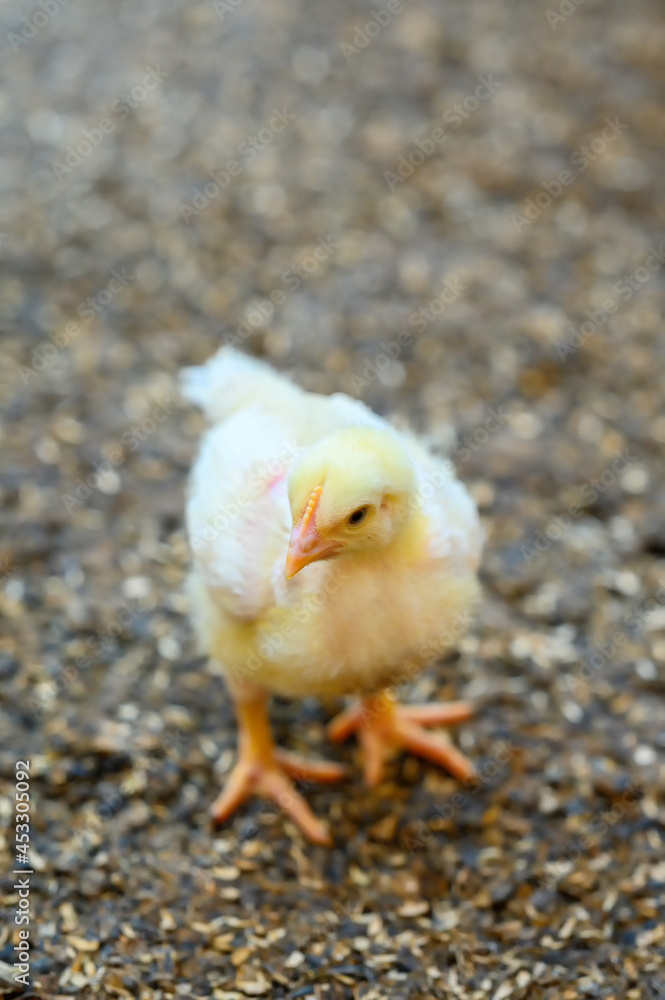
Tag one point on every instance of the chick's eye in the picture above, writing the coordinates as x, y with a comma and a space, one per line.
358, 516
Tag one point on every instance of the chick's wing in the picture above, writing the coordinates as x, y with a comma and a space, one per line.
238, 516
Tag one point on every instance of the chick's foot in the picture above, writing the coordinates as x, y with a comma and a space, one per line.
385, 726
262, 769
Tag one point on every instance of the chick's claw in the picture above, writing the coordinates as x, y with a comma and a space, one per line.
272, 783
262, 769
302, 769
384, 726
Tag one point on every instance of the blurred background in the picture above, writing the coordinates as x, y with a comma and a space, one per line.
456, 213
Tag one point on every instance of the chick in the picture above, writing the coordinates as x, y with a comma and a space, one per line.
331, 555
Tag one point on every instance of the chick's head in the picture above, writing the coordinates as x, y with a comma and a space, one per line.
349, 493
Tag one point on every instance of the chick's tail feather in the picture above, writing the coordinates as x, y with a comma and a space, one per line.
229, 381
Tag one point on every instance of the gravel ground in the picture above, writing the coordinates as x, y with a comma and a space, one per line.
454, 212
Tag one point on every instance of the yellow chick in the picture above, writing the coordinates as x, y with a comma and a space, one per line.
331, 555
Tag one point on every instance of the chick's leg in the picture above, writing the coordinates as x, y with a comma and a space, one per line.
384, 726
262, 769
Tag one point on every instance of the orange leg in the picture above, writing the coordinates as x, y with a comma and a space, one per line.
384, 726
262, 769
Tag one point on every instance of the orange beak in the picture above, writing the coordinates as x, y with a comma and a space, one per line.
306, 545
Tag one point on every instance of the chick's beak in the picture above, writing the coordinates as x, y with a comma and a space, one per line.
306, 544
